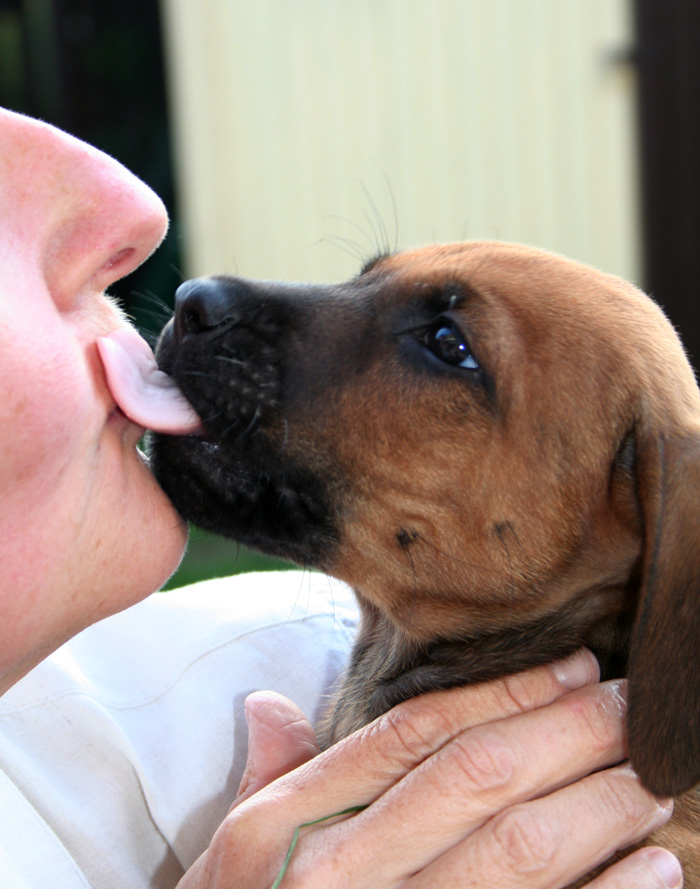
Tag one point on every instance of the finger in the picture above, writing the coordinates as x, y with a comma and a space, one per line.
363, 766
487, 768
554, 840
649, 868
280, 739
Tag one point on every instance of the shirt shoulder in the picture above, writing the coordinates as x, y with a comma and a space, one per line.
128, 743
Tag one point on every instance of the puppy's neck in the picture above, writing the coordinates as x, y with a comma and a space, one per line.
387, 668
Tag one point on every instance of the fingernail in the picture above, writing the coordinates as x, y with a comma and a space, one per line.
667, 867
664, 805
664, 810
252, 707
576, 671
616, 691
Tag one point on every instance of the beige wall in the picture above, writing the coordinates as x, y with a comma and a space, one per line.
299, 124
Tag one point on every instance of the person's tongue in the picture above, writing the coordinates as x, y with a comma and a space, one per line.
144, 393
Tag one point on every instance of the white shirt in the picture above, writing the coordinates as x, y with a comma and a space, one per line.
121, 753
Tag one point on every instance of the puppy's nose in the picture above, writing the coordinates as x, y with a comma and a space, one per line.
201, 304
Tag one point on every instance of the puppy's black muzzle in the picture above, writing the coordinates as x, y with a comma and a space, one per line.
232, 347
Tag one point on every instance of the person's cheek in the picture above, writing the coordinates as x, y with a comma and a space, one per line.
48, 406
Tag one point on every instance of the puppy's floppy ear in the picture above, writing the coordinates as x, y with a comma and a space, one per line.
663, 717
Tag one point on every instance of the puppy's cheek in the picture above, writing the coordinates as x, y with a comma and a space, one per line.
369, 561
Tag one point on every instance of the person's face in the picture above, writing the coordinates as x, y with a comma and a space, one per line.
84, 529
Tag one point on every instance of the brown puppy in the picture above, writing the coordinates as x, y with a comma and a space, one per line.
499, 449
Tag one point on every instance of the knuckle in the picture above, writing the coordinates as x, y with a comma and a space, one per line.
527, 843
517, 693
599, 715
624, 797
401, 737
308, 870
251, 825
227, 835
236, 846
325, 858
253, 844
484, 759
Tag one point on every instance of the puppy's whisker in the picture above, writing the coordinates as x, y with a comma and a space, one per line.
303, 582
380, 230
379, 236
362, 231
456, 559
178, 272
212, 417
249, 428
148, 296
237, 556
224, 435
197, 373
347, 245
414, 590
150, 337
156, 314
151, 298
504, 530
393, 205
236, 361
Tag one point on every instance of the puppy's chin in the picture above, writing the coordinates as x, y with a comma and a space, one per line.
279, 509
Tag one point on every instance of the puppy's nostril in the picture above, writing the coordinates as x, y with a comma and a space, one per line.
192, 320
200, 305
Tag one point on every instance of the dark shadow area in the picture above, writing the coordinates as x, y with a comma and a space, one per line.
668, 62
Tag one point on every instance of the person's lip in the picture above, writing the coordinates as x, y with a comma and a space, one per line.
132, 432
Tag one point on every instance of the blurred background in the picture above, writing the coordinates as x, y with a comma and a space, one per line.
293, 139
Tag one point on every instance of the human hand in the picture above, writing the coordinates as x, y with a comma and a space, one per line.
491, 785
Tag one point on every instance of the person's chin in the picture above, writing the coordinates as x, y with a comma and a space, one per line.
129, 432
157, 530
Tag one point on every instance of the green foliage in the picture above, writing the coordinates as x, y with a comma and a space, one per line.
209, 556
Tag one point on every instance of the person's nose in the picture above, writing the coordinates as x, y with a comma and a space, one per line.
92, 220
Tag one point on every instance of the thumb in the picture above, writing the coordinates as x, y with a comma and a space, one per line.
280, 738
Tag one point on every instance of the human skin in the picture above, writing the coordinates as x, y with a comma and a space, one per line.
79, 509
500, 775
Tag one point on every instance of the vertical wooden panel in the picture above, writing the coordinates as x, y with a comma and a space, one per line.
301, 122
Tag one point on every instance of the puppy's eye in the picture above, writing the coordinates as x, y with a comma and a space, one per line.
447, 343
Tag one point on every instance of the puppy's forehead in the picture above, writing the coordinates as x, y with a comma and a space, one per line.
561, 314
518, 275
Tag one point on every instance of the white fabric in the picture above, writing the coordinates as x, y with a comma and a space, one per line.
121, 753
